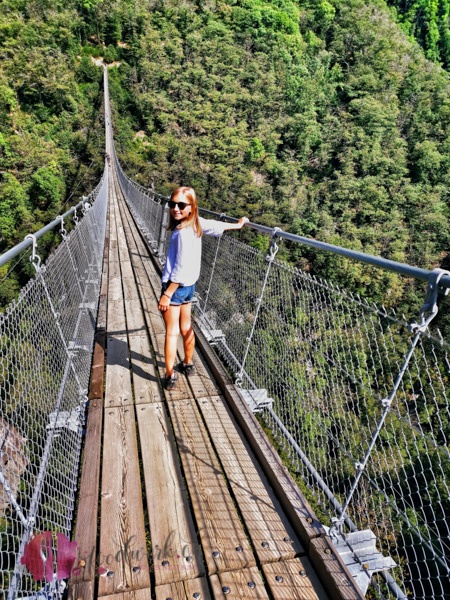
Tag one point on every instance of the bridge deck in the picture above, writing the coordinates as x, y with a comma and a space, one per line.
190, 498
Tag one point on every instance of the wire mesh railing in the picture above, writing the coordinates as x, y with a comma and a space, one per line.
46, 341
355, 396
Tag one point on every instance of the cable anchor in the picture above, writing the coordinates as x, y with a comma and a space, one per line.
273, 249
35, 259
86, 205
430, 308
62, 231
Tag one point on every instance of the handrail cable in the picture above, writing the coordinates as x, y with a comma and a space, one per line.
377, 261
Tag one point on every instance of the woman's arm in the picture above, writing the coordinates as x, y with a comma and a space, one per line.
239, 225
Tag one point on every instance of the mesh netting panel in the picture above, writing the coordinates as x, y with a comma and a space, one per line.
45, 357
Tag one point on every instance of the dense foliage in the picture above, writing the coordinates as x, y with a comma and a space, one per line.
321, 117
429, 22
51, 133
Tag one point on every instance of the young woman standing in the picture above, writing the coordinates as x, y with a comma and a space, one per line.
181, 271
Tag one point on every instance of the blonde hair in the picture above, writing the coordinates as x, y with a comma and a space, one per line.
191, 220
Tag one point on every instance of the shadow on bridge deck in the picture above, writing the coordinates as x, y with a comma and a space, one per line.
182, 495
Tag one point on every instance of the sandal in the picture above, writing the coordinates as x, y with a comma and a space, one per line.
170, 381
186, 369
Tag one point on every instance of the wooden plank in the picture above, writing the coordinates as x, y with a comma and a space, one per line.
295, 506
118, 390
126, 266
293, 580
86, 526
244, 584
98, 366
146, 385
115, 289
223, 539
272, 536
145, 258
114, 265
116, 317
123, 553
201, 381
334, 575
133, 308
176, 552
102, 313
145, 276
81, 590
130, 595
184, 590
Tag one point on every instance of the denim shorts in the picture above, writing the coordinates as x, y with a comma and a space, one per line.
183, 295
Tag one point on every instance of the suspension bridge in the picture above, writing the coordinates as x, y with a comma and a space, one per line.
182, 494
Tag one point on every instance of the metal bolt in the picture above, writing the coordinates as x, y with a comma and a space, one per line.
110, 574
251, 585
196, 595
136, 569
81, 563
309, 520
189, 558
216, 554
279, 579
238, 548
226, 589
165, 563
327, 551
265, 544
286, 539
302, 572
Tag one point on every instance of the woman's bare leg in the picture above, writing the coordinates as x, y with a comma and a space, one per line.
187, 332
172, 322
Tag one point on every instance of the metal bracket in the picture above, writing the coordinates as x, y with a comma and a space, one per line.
430, 309
273, 249
86, 206
35, 259
62, 231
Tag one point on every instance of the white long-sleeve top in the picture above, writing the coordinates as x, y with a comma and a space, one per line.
184, 256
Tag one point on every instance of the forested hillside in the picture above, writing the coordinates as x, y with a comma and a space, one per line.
428, 21
51, 131
322, 117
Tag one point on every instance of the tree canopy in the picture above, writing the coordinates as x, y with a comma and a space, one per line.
323, 117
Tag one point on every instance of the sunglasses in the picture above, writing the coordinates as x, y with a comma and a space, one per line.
181, 205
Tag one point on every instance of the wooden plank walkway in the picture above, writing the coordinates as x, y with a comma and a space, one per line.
181, 494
